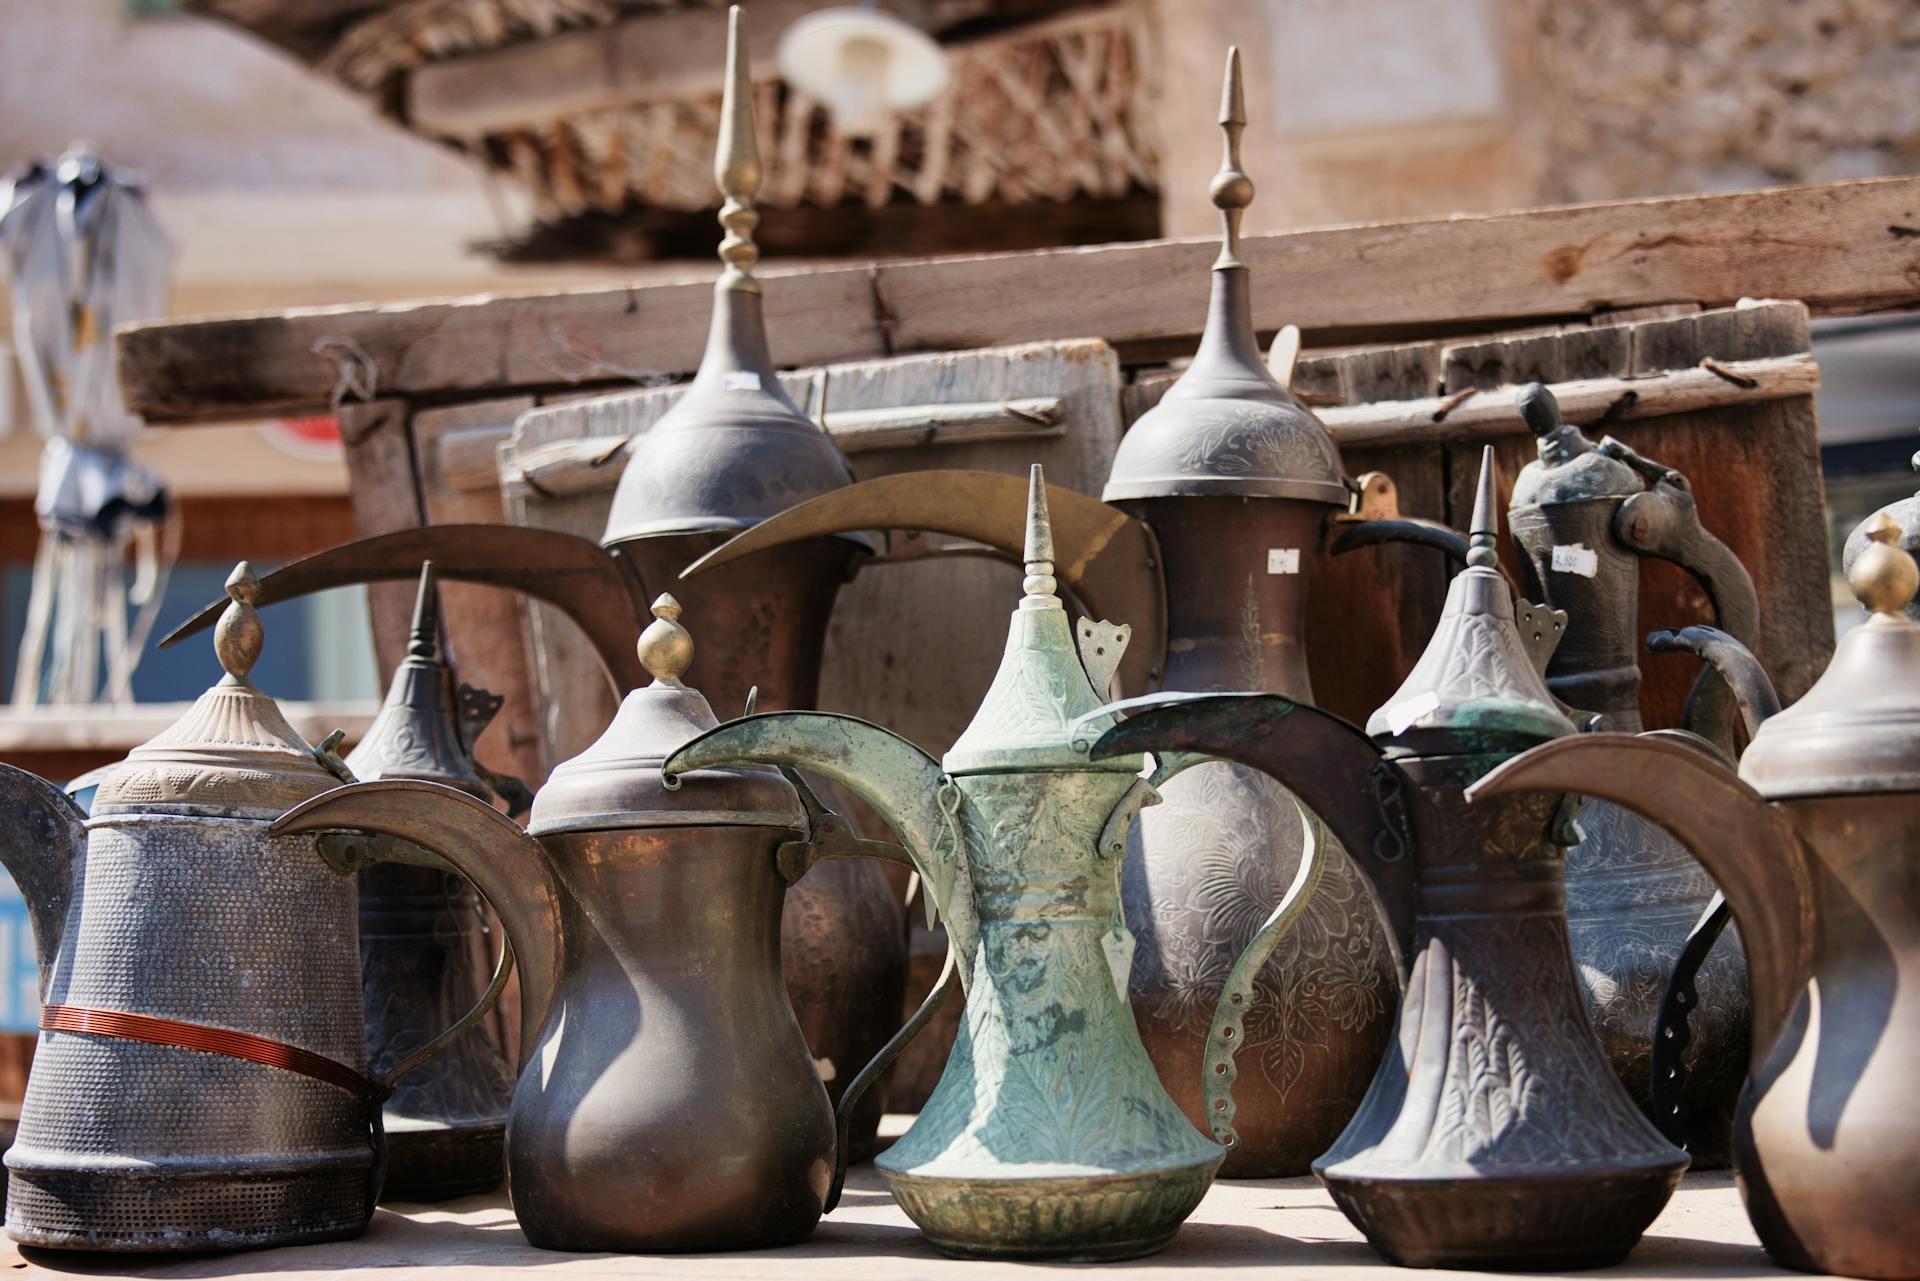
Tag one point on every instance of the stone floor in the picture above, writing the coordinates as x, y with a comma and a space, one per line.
1241, 1226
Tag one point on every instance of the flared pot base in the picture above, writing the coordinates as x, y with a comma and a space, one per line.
430, 1162
174, 1214
1090, 1218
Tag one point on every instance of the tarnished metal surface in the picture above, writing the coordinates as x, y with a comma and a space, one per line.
1049, 1134
1582, 516
1494, 1133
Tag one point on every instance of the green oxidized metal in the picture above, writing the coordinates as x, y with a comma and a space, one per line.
1049, 1134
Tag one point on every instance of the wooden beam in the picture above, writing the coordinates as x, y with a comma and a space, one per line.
1842, 247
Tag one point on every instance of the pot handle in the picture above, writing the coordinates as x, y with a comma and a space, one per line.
44, 833
1227, 1033
1671, 1028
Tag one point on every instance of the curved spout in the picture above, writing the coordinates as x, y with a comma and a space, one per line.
1741, 671
1330, 764
42, 833
1108, 559
599, 590
905, 785
506, 865
1742, 840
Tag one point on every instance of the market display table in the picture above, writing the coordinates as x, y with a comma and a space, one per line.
1270, 1223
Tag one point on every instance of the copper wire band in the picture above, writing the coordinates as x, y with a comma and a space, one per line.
209, 1040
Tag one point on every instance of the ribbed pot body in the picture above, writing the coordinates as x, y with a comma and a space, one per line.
130, 1146
1495, 1134
1211, 861
1827, 1141
762, 623
671, 1103
1633, 892
421, 945
1049, 1134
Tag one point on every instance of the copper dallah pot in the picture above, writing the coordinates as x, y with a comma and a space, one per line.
422, 939
1494, 1134
669, 1102
1049, 1134
1233, 486
1813, 845
201, 1078
733, 451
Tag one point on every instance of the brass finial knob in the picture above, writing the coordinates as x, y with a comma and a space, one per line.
736, 165
1232, 189
238, 635
423, 640
1485, 529
666, 648
1884, 578
1041, 587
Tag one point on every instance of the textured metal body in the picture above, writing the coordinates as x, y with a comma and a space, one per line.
1049, 1134
1633, 892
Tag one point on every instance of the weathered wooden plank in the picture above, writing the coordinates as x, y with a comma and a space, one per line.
386, 497
1840, 247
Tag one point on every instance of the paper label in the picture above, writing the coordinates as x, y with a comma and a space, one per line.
1283, 560
1401, 715
1576, 559
741, 380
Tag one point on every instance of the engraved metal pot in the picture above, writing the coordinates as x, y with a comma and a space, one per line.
1813, 844
201, 1080
1494, 1134
1049, 1134
669, 1102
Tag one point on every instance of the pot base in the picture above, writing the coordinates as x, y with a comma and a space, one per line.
1073, 1218
174, 1213
436, 1161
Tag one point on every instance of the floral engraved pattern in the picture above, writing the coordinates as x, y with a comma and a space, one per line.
1243, 438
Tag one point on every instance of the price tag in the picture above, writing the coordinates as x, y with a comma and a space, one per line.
1283, 560
1403, 714
741, 380
1576, 559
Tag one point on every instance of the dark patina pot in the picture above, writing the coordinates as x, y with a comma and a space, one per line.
1494, 1133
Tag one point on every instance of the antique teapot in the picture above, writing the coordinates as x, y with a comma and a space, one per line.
1049, 1134
1494, 1134
1811, 844
1582, 518
201, 1078
1233, 486
421, 939
669, 1102
732, 451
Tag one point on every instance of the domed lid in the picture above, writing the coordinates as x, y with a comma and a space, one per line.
1571, 468
1228, 426
414, 736
734, 449
616, 782
1026, 720
1858, 728
1478, 687
232, 755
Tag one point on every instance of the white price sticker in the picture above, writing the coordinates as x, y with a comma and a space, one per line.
741, 380
1283, 560
1403, 714
1576, 559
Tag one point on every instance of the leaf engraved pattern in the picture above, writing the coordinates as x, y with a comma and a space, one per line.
1245, 438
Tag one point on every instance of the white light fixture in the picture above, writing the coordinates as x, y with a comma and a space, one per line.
863, 64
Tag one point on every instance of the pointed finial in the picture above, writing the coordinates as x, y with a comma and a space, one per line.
423, 641
1040, 584
1538, 409
1884, 577
1232, 189
736, 165
1485, 530
238, 635
666, 648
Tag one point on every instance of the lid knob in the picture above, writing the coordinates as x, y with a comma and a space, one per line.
666, 648
1884, 578
423, 641
736, 165
238, 635
1040, 584
1232, 189
1538, 409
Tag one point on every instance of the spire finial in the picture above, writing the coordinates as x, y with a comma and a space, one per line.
736, 165
1884, 577
238, 636
1232, 190
1485, 530
423, 641
666, 648
1040, 585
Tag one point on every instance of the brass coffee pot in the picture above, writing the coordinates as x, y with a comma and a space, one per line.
1049, 1134
201, 1078
669, 1102
1494, 1134
1812, 844
731, 452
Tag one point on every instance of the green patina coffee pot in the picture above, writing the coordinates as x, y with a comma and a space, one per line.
1049, 1135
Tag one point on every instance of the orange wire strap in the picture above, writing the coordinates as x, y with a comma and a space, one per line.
210, 1040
